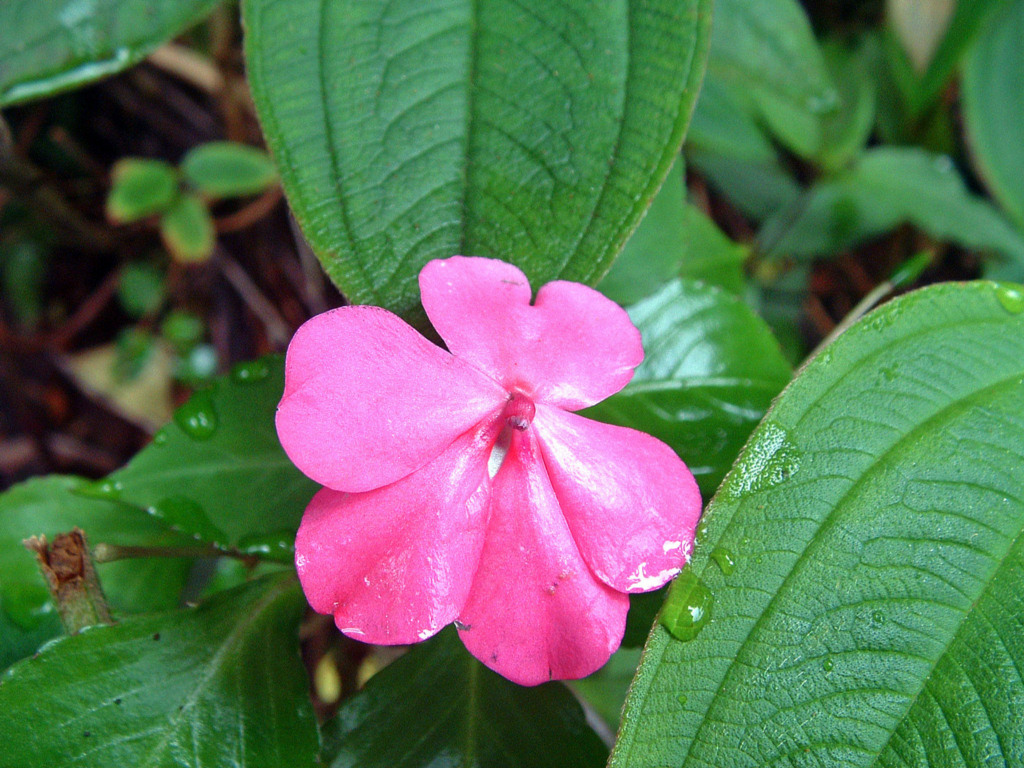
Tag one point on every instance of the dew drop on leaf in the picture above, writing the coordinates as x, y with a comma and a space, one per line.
724, 559
688, 607
828, 665
1011, 298
250, 372
108, 490
198, 417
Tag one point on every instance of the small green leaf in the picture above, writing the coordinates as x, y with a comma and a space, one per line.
217, 471
218, 685
23, 267
226, 169
887, 187
56, 504
534, 132
439, 706
188, 231
141, 188
994, 107
141, 289
711, 370
846, 131
55, 45
183, 330
766, 48
873, 612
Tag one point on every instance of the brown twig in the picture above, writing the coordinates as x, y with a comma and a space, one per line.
251, 213
277, 329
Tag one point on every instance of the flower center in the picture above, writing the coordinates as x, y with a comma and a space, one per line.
519, 411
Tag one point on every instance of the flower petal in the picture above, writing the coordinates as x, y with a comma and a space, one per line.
572, 348
631, 503
367, 399
535, 611
394, 564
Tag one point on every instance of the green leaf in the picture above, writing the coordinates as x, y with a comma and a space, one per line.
767, 50
887, 187
141, 289
227, 169
605, 690
187, 230
439, 706
141, 188
217, 685
55, 45
654, 253
217, 471
23, 268
50, 505
963, 29
846, 131
873, 614
711, 370
994, 108
534, 132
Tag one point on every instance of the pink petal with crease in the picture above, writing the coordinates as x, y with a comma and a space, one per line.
394, 565
572, 348
535, 612
631, 503
367, 399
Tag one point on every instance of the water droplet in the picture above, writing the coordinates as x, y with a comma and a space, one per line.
723, 557
187, 515
828, 665
878, 617
769, 460
702, 530
160, 438
687, 609
278, 546
1011, 298
682, 698
198, 417
108, 490
250, 372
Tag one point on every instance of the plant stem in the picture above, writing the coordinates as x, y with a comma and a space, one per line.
108, 553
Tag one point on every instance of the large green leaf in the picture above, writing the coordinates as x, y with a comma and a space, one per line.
873, 610
531, 131
887, 187
711, 370
50, 46
217, 685
439, 706
994, 107
48, 506
217, 471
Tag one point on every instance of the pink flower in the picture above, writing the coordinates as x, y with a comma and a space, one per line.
460, 487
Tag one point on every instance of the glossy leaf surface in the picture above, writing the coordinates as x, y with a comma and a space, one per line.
439, 706
870, 611
221, 684
534, 132
994, 107
53, 45
711, 369
217, 471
